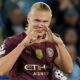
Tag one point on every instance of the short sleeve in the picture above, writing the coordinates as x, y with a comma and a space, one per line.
6, 46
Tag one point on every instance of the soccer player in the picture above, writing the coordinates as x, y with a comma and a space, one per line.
31, 55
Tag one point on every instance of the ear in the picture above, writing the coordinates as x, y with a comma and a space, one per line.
28, 18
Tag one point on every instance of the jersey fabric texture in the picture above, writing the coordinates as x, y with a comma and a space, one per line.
36, 61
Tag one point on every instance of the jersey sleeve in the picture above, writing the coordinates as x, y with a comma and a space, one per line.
7, 46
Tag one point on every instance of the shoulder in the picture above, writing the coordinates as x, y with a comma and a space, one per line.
15, 39
10, 43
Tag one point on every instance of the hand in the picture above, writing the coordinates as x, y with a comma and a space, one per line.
31, 38
52, 37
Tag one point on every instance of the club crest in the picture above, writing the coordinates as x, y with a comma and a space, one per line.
50, 52
39, 53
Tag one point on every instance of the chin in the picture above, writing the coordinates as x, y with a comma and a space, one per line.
39, 31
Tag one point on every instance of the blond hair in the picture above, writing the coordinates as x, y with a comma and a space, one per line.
41, 6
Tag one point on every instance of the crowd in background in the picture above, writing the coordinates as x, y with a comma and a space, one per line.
65, 22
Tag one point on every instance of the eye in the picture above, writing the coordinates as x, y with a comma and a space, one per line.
36, 20
45, 21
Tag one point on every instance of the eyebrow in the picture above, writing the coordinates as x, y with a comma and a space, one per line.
40, 20
37, 20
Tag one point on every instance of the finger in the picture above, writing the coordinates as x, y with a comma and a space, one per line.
42, 40
51, 36
49, 32
38, 41
32, 42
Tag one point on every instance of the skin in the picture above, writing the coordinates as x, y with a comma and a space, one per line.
38, 24
38, 21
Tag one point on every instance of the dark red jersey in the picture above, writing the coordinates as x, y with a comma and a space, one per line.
35, 61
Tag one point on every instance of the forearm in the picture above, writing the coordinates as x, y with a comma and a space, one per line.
65, 58
7, 62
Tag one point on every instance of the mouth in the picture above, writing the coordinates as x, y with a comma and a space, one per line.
39, 29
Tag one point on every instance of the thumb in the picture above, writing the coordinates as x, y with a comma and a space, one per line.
42, 40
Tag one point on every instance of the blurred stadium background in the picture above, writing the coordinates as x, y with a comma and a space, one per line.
65, 21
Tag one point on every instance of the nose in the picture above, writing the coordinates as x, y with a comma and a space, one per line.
41, 24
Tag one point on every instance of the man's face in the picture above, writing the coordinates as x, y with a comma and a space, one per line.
38, 20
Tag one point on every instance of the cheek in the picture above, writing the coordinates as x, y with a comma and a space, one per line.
32, 23
47, 24
35, 24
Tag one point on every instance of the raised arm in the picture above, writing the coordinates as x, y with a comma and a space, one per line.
64, 60
9, 60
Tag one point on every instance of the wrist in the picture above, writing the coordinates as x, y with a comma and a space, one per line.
21, 45
61, 44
